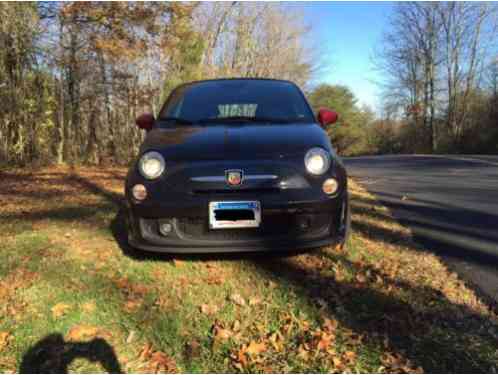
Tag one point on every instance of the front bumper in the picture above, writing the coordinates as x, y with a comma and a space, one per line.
287, 201
286, 225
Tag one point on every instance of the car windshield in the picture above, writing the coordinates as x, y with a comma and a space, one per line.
253, 101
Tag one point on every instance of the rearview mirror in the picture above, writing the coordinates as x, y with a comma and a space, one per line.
145, 121
326, 117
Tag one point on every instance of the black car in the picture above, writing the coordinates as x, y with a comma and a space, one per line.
236, 165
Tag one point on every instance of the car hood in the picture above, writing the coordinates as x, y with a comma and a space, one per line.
215, 142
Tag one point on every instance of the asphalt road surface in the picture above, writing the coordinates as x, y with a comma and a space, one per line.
449, 202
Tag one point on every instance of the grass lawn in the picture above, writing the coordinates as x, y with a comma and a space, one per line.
74, 297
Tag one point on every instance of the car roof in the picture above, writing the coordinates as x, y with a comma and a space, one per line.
235, 79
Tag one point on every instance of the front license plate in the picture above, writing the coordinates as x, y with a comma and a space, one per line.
240, 214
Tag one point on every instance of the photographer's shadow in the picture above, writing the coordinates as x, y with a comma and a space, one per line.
54, 355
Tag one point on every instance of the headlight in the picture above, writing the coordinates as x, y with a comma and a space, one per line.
317, 161
151, 165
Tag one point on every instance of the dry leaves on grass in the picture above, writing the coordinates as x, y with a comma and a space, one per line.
60, 309
248, 354
396, 363
157, 361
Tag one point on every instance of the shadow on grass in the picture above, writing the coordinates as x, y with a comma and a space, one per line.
438, 339
53, 355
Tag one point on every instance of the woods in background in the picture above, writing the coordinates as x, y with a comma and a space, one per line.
73, 76
441, 64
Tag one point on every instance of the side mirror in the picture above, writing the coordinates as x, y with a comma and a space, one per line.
145, 121
326, 117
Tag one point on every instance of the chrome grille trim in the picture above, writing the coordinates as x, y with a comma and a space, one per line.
248, 177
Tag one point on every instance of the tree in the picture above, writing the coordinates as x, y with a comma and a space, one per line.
434, 56
254, 40
349, 135
74, 75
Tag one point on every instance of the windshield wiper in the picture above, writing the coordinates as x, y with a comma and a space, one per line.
252, 119
178, 120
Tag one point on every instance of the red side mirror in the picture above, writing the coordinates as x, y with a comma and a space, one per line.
327, 117
145, 121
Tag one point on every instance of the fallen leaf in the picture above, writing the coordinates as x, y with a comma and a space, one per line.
222, 334
130, 337
178, 263
161, 362
240, 358
276, 341
303, 353
330, 325
324, 342
219, 332
254, 301
132, 305
4, 339
193, 349
337, 363
238, 299
209, 309
236, 326
214, 280
255, 348
60, 309
122, 283
81, 332
89, 306
146, 352
140, 289
350, 355
361, 278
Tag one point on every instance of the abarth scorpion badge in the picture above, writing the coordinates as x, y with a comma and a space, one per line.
234, 177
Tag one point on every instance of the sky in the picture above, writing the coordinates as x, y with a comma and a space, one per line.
347, 33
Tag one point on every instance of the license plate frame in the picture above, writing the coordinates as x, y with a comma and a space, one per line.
254, 206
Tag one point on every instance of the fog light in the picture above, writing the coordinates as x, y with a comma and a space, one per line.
139, 192
330, 186
165, 227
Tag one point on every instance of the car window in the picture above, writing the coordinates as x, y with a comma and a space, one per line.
278, 100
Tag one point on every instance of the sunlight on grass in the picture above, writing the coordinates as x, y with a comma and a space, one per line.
384, 305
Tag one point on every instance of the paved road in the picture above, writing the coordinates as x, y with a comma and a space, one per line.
450, 203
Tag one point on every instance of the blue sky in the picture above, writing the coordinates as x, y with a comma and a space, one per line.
347, 33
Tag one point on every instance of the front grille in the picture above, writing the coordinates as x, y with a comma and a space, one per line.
237, 191
272, 227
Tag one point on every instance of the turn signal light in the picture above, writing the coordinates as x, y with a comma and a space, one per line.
139, 192
330, 186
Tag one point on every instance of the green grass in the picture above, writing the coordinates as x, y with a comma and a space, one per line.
384, 305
